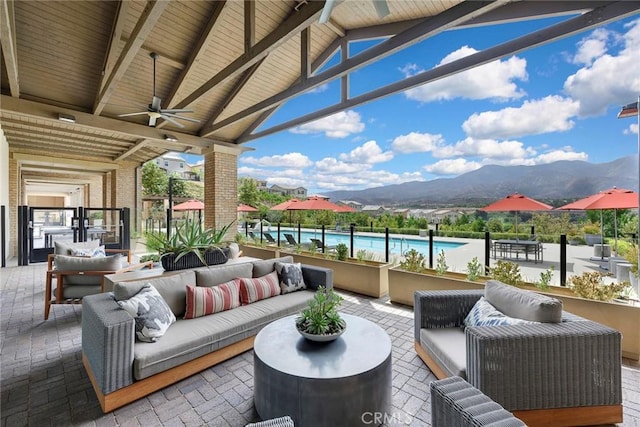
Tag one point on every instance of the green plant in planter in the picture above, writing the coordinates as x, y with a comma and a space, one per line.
631, 255
545, 279
474, 269
441, 264
591, 286
342, 252
507, 272
189, 237
413, 261
361, 255
150, 257
321, 315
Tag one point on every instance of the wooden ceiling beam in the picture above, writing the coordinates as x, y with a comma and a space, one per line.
8, 43
141, 143
426, 28
32, 138
298, 20
145, 24
114, 41
57, 162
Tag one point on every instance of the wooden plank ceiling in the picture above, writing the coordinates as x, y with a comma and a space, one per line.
233, 63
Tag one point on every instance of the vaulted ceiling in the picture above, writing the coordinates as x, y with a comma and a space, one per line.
233, 63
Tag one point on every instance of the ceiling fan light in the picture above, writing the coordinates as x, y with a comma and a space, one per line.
170, 138
155, 114
67, 118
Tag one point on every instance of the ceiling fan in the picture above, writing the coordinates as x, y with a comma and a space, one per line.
382, 9
155, 111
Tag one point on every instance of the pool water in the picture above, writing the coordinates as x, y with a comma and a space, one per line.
397, 245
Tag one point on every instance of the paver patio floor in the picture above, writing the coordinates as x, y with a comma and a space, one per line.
44, 381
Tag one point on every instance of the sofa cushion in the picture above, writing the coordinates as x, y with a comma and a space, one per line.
188, 339
484, 314
252, 290
290, 277
98, 252
172, 287
202, 300
151, 313
262, 268
447, 347
523, 304
66, 247
211, 276
73, 263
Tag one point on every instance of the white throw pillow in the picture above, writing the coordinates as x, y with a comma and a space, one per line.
151, 313
484, 314
290, 277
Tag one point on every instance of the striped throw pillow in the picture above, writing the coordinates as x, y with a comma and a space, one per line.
252, 290
202, 300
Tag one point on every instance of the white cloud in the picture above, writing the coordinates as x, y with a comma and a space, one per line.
452, 167
416, 142
591, 47
296, 160
557, 155
331, 165
492, 80
339, 125
488, 148
633, 128
369, 152
610, 79
549, 114
322, 88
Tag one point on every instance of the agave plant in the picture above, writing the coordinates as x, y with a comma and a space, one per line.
190, 237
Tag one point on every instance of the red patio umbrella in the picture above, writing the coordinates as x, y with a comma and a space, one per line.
613, 198
516, 202
189, 205
246, 208
317, 204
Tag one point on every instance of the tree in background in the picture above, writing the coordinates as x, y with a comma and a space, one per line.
154, 180
248, 192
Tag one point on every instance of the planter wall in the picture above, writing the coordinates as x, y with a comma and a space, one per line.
191, 260
260, 252
367, 278
625, 318
403, 284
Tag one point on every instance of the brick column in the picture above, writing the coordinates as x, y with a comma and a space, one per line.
12, 208
123, 189
221, 187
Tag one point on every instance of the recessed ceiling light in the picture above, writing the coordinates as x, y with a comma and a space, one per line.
170, 138
68, 118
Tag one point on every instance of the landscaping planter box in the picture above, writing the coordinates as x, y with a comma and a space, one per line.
213, 257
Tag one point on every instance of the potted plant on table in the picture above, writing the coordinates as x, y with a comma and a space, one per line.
192, 246
320, 321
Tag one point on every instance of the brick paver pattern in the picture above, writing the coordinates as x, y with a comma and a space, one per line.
44, 381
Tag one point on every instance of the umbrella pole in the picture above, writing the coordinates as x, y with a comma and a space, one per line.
615, 229
601, 237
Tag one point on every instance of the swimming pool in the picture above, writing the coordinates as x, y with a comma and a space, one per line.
397, 245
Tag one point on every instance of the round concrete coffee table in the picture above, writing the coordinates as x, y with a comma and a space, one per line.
345, 382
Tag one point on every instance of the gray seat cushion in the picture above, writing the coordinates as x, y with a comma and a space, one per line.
188, 339
73, 263
448, 347
172, 287
523, 304
220, 274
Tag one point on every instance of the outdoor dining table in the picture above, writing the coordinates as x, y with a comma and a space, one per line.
510, 248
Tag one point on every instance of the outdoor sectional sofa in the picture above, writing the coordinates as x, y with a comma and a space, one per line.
122, 369
546, 366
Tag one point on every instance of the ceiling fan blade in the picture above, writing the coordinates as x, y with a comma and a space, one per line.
155, 104
170, 120
326, 11
152, 121
175, 116
382, 8
176, 110
132, 114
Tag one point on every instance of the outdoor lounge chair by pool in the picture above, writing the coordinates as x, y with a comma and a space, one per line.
269, 238
323, 247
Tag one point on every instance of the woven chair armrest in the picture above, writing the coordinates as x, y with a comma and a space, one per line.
546, 365
442, 309
317, 276
108, 335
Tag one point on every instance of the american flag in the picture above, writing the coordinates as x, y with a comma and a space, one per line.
629, 110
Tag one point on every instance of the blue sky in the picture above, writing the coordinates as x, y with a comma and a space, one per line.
554, 102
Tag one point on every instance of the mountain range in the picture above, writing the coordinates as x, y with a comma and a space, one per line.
554, 183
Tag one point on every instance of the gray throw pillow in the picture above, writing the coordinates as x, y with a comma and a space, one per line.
290, 277
151, 313
262, 268
523, 304
65, 248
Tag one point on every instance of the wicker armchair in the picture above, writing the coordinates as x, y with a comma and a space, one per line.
566, 373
